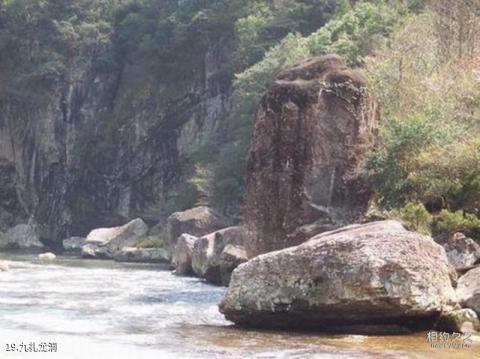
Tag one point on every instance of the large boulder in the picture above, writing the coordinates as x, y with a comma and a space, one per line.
105, 242
357, 277
182, 254
22, 236
142, 255
462, 252
313, 131
459, 321
196, 221
74, 244
207, 253
468, 290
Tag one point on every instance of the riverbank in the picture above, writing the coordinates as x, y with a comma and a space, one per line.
95, 307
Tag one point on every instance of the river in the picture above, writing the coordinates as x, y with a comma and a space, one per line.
90, 309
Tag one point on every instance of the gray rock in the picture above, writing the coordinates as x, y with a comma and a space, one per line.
461, 251
468, 290
49, 256
182, 254
142, 255
74, 244
360, 275
197, 222
208, 249
106, 242
230, 258
459, 321
22, 236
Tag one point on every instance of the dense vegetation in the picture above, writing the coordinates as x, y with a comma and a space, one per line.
420, 56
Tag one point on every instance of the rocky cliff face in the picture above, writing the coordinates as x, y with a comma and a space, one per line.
312, 132
89, 154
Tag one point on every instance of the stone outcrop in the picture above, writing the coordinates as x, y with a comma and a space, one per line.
312, 132
461, 251
74, 244
105, 242
142, 255
22, 236
196, 221
208, 254
468, 290
182, 254
354, 278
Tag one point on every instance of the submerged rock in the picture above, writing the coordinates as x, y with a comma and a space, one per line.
313, 131
4, 266
74, 244
361, 275
468, 290
105, 242
22, 236
207, 254
49, 256
196, 221
182, 254
142, 255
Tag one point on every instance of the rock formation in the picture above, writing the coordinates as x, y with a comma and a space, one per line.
355, 278
313, 129
462, 252
22, 236
209, 259
106, 242
468, 290
96, 152
182, 254
196, 221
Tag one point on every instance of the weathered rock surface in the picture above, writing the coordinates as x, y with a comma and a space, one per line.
49, 256
312, 132
142, 255
230, 258
22, 236
182, 254
207, 253
105, 242
355, 277
196, 221
459, 321
97, 153
74, 244
468, 290
461, 251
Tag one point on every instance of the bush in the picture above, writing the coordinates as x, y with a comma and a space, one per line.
151, 242
451, 222
415, 217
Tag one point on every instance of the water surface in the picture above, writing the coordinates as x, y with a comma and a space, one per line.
102, 308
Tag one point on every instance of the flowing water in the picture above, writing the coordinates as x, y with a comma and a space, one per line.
92, 309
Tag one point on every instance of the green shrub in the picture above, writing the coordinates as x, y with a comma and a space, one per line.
414, 216
451, 222
151, 242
